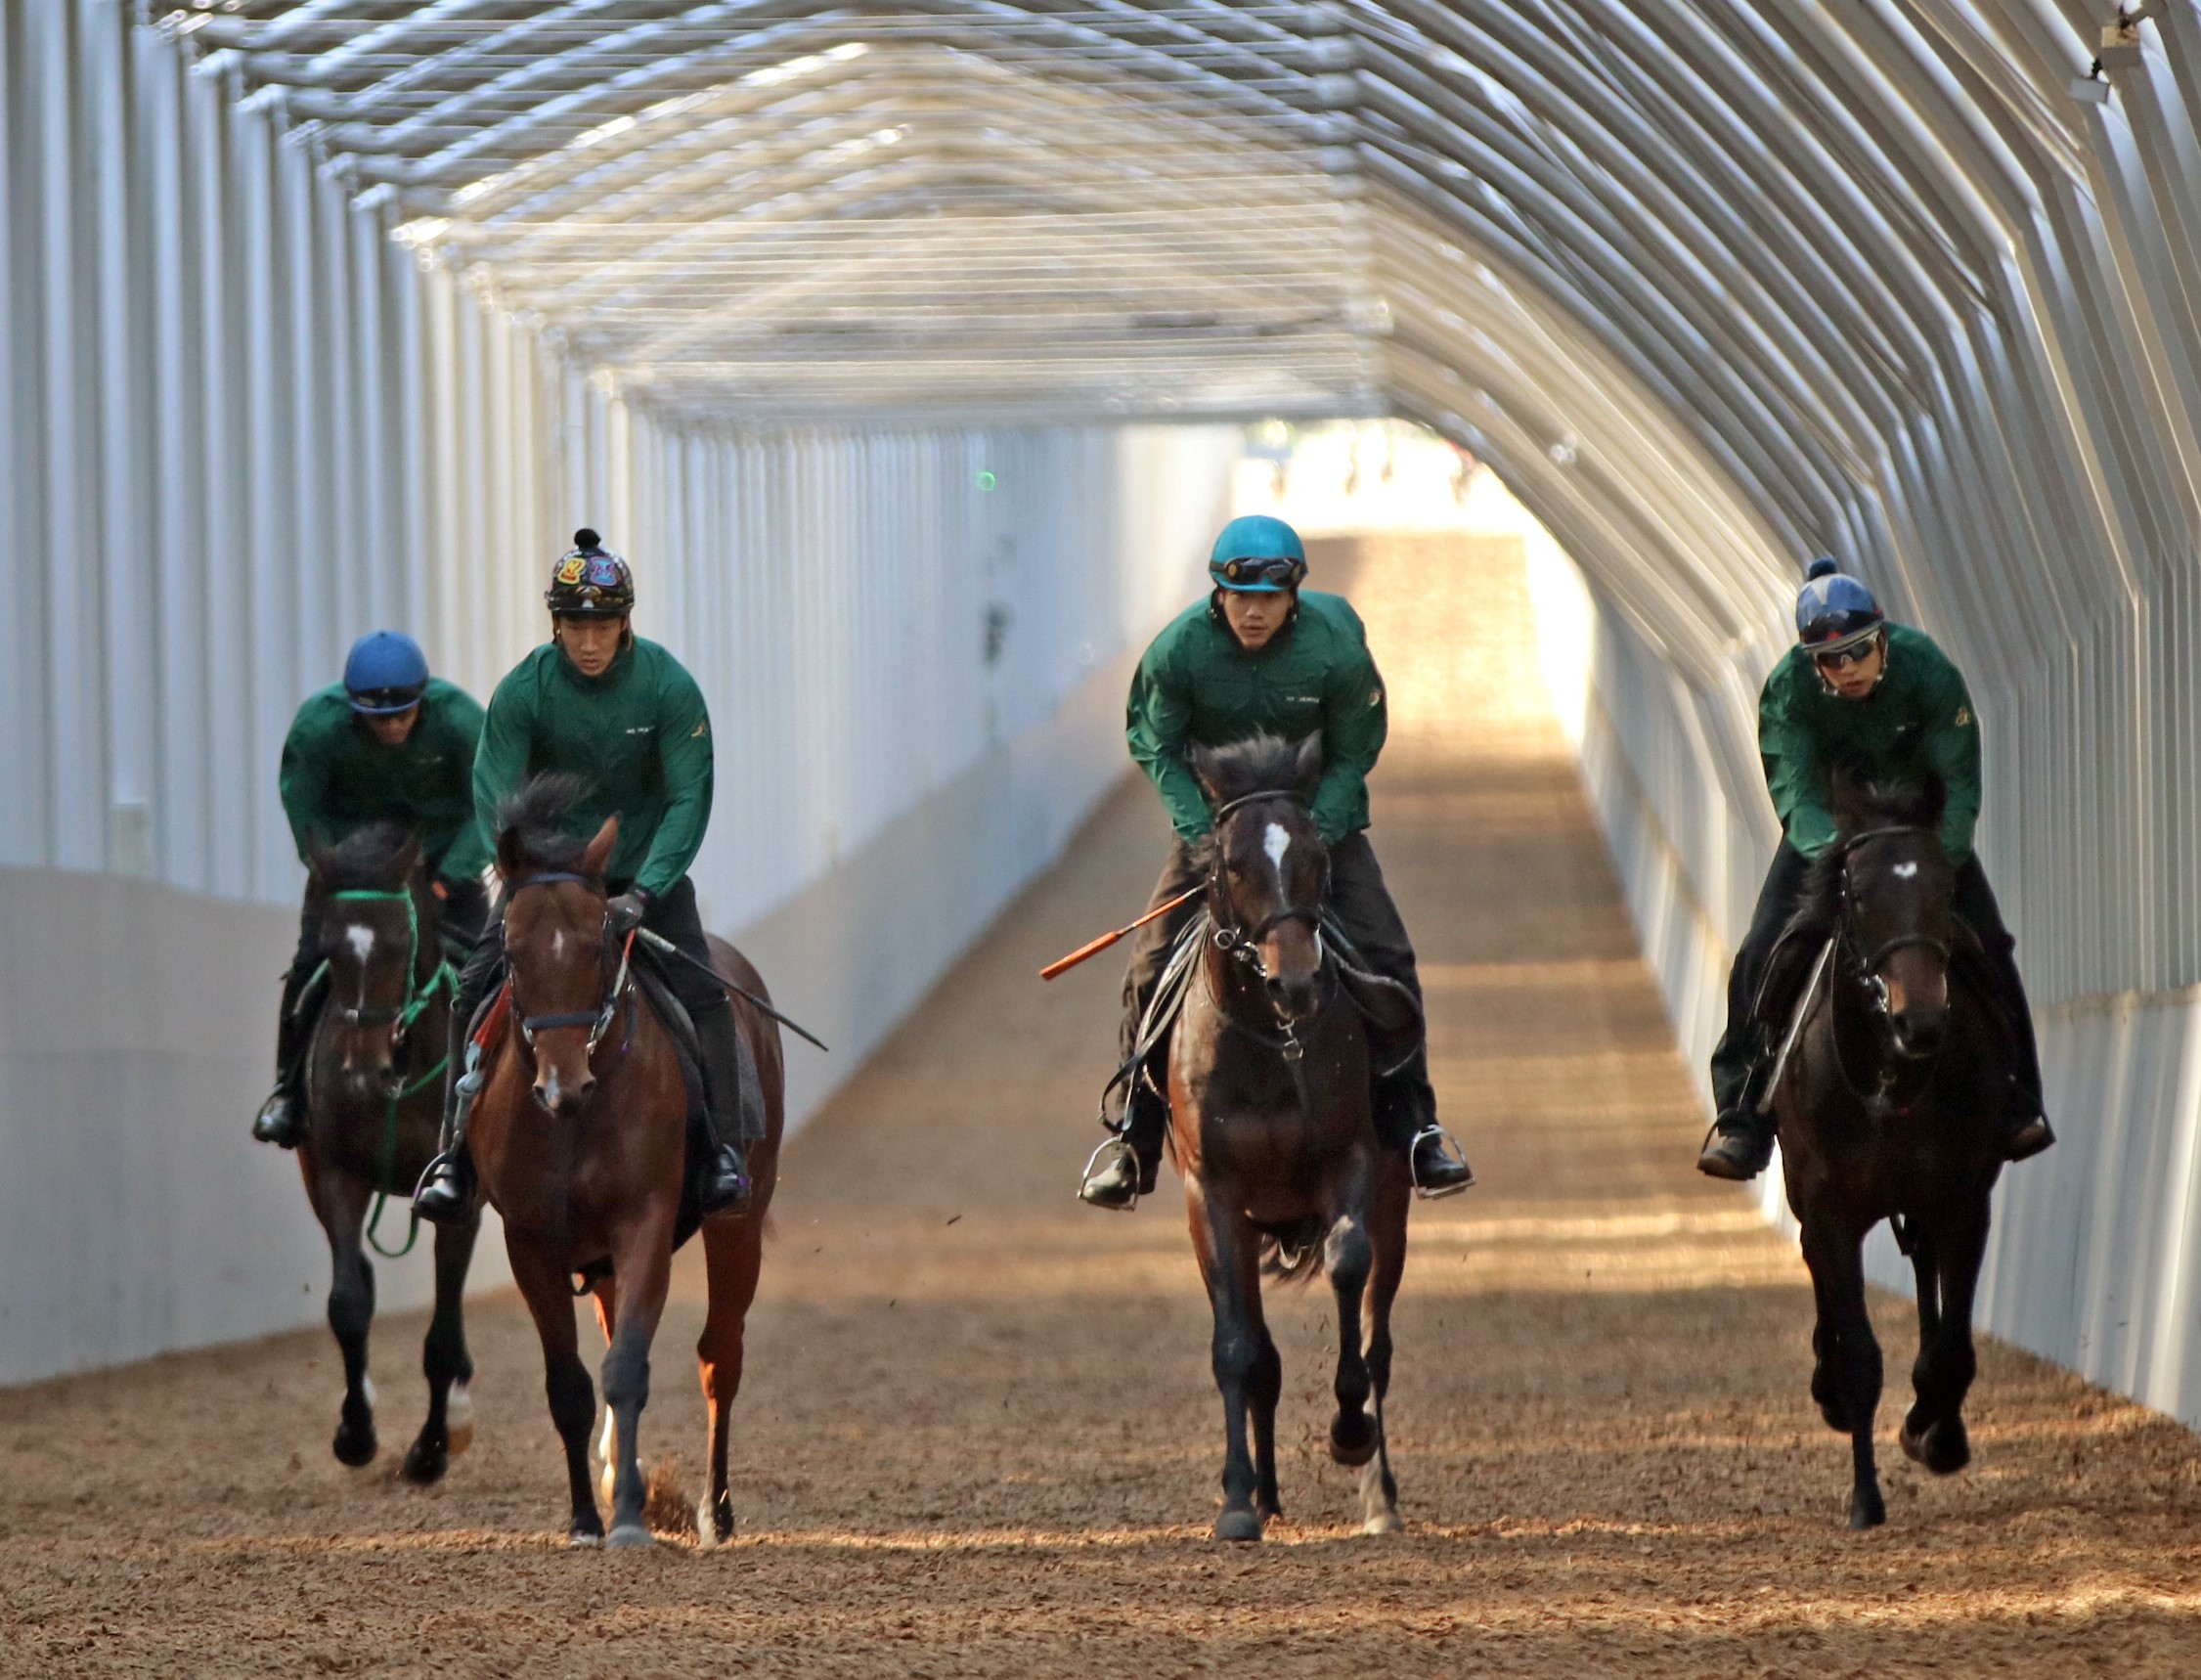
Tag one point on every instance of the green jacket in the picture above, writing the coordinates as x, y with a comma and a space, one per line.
1197, 686
337, 779
1918, 718
637, 737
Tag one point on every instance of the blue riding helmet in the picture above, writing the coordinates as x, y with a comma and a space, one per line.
1258, 554
385, 672
1835, 612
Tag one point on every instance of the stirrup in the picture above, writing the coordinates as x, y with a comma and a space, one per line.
1451, 1151
1117, 1148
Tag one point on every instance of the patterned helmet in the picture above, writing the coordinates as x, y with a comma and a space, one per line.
1258, 554
590, 581
1835, 612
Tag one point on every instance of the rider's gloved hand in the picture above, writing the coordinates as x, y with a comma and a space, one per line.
628, 909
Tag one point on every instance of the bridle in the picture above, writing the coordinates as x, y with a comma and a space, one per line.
598, 1021
419, 994
1868, 961
1244, 943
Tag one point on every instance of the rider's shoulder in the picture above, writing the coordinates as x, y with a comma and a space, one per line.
661, 666
444, 698
1906, 641
1334, 613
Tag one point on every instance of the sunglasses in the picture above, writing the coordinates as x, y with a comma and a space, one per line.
1274, 569
1843, 659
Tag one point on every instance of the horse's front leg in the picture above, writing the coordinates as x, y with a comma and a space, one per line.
448, 1429
1348, 1257
1229, 1254
1379, 1489
643, 1266
1933, 1434
340, 1201
734, 1253
541, 1274
1849, 1353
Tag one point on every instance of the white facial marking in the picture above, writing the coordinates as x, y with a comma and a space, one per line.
1276, 843
361, 940
1903, 871
558, 945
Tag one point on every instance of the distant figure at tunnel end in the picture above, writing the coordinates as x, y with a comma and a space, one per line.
1884, 702
1260, 656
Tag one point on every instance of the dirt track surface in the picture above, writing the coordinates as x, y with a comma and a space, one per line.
979, 1437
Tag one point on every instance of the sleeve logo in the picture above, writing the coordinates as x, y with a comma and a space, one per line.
1963, 717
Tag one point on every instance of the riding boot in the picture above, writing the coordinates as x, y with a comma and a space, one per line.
1124, 1168
721, 1174
282, 1119
2026, 1131
1438, 1164
445, 1195
1404, 1110
1740, 1145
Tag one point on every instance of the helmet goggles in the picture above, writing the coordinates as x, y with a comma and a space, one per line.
1267, 573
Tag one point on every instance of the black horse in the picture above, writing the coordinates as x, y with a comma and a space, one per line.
374, 1101
1888, 1097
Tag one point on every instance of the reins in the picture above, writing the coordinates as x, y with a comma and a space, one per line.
1243, 945
598, 1020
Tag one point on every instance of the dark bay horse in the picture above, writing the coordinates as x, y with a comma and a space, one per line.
1888, 1107
580, 1137
1268, 1085
374, 1097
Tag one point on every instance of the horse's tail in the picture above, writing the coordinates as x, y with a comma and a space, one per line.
1294, 1253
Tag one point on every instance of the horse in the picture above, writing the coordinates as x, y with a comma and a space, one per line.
374, 1087
1887, 1102
1268, 1083
580, 1141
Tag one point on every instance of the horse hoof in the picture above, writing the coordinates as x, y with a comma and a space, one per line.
426, 1462
355, 1448
714, 1522
1352, 1438
1238, 1526
1867, 1510
1384, 1522
626, 1536
1911, 1442
1948, 1449
585, 1539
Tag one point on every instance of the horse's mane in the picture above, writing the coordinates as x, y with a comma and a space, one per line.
1861, 803
378, 857
531, 830
1258, 764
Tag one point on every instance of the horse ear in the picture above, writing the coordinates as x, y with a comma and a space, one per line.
1203, 765
1933, 800
1306, 766
599, 854
316, 865
408, 858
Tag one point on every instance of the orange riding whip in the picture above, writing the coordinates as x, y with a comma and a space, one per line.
1108, 939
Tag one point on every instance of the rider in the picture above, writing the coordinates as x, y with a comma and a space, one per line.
1260, 656
387, 744
623, 717
1883, 700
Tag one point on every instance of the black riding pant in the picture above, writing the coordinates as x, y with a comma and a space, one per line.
1742, 1049
672, 916
1405, 1104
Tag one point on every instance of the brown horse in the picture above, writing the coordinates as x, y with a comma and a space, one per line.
373, 1090
580, 1137
1269, 1086
1889, 1102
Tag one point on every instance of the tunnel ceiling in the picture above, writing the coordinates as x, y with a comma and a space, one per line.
1714, 282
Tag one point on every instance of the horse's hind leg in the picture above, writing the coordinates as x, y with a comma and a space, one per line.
643, 1265
1230, 1264
1849, 1353
733, 1254
448, 1429
543, 1284
341, 1202
1934, 1433
1353, 1433
1379, 1489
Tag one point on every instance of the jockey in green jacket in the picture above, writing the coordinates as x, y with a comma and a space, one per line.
1262, 656
1879, 698
387, 744
624, 717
